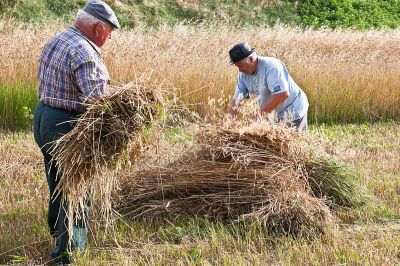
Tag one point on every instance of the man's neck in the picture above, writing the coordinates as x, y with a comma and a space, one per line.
84, 32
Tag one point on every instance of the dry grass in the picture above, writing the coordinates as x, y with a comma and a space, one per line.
23, 196
341, 71
20, 171
372, 152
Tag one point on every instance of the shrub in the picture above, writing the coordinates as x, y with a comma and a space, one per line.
359, 14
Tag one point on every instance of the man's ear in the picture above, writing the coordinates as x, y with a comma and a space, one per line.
96, 28
252, 59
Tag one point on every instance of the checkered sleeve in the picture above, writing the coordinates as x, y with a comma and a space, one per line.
90, 79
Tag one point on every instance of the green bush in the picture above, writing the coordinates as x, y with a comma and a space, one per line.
248, 13
359, 14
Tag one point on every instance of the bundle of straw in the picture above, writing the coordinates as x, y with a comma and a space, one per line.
252, 172
336, 182
97, 144
326, 178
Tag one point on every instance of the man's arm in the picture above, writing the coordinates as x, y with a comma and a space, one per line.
91, 79
274, 102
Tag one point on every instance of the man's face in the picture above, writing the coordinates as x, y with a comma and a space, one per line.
246, 66
103, 33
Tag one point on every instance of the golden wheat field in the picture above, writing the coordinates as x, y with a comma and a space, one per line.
347, 75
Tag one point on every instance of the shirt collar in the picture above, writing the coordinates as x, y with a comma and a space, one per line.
77, 31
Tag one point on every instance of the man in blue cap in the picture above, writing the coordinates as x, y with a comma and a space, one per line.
71, 72
269, 81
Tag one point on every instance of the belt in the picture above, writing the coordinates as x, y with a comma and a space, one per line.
60, 109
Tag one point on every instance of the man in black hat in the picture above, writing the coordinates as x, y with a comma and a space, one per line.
71, 72
269, 81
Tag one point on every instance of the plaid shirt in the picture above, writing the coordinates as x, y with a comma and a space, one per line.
71, 70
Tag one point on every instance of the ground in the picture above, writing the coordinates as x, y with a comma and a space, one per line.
364, 236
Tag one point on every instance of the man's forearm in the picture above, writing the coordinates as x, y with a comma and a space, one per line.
274, 102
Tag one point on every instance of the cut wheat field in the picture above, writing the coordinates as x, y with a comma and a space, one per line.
366, 235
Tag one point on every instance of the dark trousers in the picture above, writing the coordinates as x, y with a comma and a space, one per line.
49, 124
301, 124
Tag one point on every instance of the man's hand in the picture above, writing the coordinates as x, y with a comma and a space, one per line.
94, 100
233, 109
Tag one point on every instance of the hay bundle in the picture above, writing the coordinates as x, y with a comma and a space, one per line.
336, 182
97, 142
326, 178
215, 189
242, 173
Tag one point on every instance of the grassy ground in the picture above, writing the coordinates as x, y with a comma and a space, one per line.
367, 236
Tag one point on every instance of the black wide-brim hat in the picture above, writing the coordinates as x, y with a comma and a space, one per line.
239, 52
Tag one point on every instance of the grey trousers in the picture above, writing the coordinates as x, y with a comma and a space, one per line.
49, 124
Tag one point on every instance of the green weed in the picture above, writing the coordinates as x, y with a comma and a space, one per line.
17, 104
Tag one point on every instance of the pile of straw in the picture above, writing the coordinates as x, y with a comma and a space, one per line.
97, 144
232, 172
260, 172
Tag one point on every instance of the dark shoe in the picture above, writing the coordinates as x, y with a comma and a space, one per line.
60, 258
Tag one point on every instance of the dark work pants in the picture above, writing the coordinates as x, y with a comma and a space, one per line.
301, 124
49, 124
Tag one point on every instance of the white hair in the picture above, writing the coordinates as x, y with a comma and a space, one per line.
247, 59
86, 19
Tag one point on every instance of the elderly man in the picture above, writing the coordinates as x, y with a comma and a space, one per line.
71, 71
268, 79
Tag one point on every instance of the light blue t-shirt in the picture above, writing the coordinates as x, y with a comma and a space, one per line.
272, 77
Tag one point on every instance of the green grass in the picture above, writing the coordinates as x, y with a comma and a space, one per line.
17, 104
157, 13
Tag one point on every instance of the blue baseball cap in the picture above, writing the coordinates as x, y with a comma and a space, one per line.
102, 11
